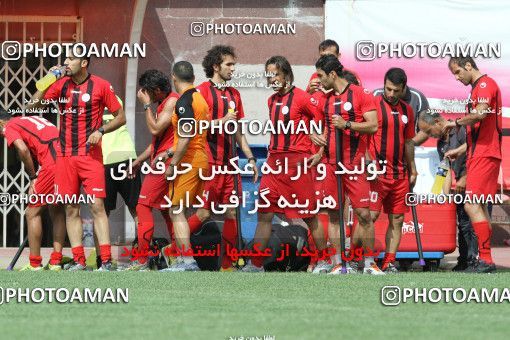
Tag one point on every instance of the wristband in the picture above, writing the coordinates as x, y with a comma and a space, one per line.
347, 125
32, 177
101, 129
146, 106
252, 159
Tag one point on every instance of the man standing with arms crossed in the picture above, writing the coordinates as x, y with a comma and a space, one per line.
483, 121
224, 104
80, 159
350, 108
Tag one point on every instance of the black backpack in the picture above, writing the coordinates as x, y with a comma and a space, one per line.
296, 237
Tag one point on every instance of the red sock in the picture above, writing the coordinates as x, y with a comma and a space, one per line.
55, 258
356, 251
35, 261
324, 221
257, 261
312, 248
78, 255
388, 258
483, 231
195, 223
106, 252
145, 229
229, 237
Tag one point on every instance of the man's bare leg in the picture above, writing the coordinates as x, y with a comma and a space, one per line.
75, 232
58, 218
34, 224
102, 229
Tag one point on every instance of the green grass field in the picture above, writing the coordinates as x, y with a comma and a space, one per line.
206, 305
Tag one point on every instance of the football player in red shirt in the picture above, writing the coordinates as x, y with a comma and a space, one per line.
155, 87
393, 143
36, 137
82, 98
350, 108
287, 104
224, 105
483, 121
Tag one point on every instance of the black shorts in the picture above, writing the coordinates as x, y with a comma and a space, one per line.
129, 189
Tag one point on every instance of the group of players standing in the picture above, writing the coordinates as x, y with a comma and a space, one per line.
358, 127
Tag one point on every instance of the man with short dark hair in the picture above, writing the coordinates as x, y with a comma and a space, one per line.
79, 158
483, 122
188, 158
393, 145
33, 135
432, 124
328, 46
415, 98
351, 109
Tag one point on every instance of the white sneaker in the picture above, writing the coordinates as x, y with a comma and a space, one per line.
373, 269
337, 270
251, 268
322, 267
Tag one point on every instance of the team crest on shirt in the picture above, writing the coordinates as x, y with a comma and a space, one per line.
367, 91
347, 106
483, 85
232, 104
314, 101
285, 110
85, 97
111, 88
181, 110
404, 119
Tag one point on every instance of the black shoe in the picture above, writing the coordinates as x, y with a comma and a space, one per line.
481, 267
460, 267
98, 262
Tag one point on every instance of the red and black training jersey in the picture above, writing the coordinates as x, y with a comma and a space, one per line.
82, 113
295, 106
396, 125
40, 136
351, 104
166, 140
219, 147
484, 137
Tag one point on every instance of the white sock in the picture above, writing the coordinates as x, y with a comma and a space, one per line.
368, 261
188, 259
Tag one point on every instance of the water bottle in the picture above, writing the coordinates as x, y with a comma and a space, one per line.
45, 82
441, 173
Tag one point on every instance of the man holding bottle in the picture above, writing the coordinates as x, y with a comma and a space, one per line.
82, 99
